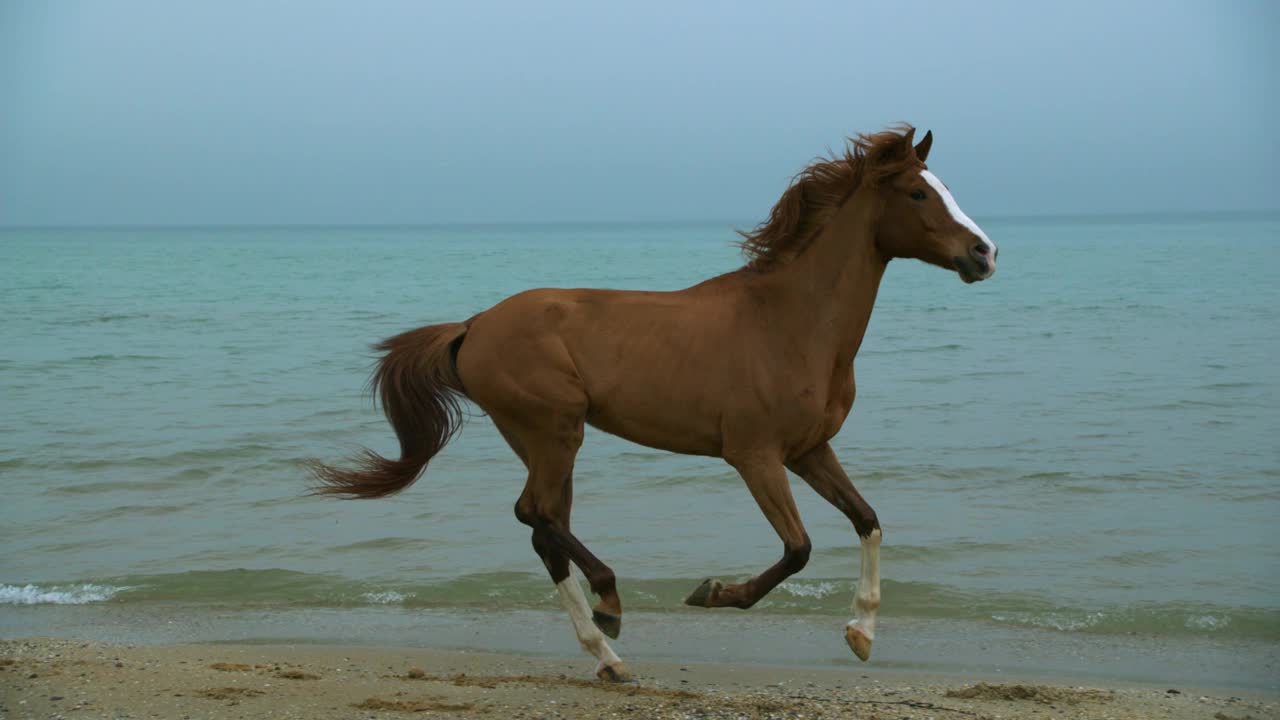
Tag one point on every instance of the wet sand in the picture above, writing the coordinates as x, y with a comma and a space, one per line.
59, 678
942, 647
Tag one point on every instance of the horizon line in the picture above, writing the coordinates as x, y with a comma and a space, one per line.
1017, 217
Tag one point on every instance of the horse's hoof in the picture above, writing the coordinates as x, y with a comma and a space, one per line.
701, 596
608, 623
617, 672
858, 641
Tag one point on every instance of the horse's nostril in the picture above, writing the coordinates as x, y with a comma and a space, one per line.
981, 249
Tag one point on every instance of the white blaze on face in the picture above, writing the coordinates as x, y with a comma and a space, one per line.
954, 209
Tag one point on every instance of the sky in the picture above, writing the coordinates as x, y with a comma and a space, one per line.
249, 112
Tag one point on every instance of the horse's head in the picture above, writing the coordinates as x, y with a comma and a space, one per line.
921, 219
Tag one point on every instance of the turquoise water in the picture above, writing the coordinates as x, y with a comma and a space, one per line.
1085, 444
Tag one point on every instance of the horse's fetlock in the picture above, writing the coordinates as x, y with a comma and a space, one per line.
603, 581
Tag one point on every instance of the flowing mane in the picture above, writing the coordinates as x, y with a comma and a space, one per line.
818, 190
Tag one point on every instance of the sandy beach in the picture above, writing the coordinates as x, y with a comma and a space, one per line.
58, 678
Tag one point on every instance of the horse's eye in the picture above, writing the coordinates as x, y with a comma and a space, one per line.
917, 194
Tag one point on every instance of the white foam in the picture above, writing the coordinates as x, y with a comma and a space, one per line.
1207, 622
56, 594
1053, 620
820, 589
387, 597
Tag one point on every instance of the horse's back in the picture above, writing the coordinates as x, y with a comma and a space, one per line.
653, 367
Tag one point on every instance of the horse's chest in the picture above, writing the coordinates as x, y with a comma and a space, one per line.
839, 403
820, 413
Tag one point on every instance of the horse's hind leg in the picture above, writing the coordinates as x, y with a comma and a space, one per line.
820, 468
545, 506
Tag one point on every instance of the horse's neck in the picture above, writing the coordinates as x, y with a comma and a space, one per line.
835, 280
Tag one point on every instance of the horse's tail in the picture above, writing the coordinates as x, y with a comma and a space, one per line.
418, 384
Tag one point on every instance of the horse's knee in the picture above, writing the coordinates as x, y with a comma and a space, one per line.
865, 522
529, 512
525, 513
795, 557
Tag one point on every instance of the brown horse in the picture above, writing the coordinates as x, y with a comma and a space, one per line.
754, 366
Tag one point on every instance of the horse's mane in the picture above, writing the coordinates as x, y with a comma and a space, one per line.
818, 190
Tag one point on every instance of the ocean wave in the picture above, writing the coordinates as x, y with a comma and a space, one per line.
80, 594
725, 479
815, 589
1206, 622
195, 460
387, 597
823, 596
1154, 620
383, 544
109, 357
1053, 620
897, 351
99, 319
130, 485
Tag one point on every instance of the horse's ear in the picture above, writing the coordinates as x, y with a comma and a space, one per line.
892, 151
922, 150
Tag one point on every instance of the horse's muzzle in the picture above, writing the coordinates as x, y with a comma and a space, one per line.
974, 268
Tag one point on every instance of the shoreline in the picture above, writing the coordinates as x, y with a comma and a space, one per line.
950, 648
43, 678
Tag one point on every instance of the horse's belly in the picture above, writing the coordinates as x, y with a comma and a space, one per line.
652, 425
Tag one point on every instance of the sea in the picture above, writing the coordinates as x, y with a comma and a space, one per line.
1082, 451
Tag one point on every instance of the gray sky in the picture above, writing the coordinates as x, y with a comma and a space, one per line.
233, 111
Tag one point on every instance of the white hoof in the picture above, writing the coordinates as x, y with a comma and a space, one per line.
859, 641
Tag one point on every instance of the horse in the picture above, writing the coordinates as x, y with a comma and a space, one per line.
755, 366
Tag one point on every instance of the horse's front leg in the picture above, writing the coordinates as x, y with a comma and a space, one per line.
820, 468
767, 480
